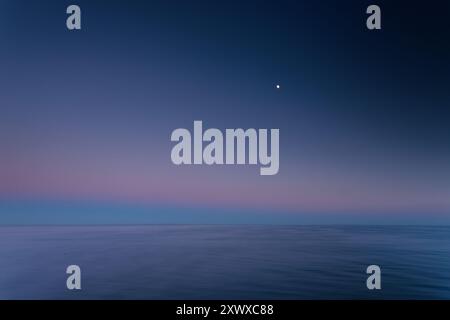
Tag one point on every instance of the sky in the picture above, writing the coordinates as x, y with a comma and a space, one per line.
86, 116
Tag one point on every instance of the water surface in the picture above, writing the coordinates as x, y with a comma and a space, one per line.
224, 262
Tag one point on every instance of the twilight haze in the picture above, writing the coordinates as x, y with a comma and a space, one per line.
86, 116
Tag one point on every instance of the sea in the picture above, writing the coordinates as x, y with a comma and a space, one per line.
224, 262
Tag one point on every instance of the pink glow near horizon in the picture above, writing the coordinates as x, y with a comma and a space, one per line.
133, 185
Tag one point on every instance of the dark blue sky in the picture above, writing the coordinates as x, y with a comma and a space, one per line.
363, 115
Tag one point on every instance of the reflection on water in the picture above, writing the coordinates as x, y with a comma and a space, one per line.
224, 262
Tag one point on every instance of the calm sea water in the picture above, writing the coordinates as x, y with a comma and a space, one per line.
224, 262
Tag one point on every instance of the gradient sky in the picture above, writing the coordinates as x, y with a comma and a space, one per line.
86, 116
